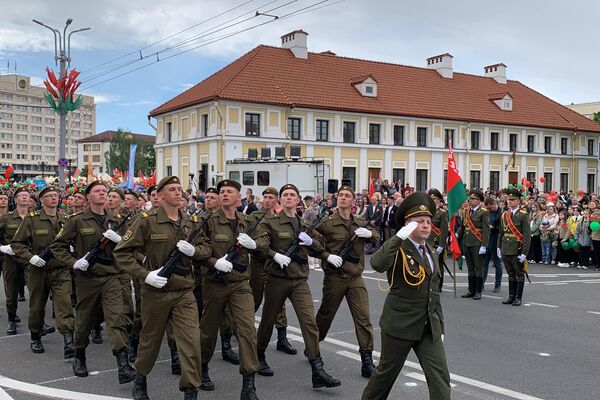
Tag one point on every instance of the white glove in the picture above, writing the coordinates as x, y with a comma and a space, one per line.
246, 241
439, 249
405, 231
363, 233
186, 248
81, 264
499, 253
482, 250
223, 265
305, 240
154, 280
7, 250
522, 258
282, 260
334, 260
112, 236
37, 261
71, 249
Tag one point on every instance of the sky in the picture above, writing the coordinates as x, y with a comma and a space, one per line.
548, 45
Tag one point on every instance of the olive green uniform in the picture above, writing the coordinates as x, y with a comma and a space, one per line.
232, 289
346, 281
156, 236
440, 221
472, 245
13, 267
411, 319
510, 248
100, 283
125, 279
37, 232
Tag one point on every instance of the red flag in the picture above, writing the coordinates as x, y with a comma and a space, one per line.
371, 188
9, 172
456, 197
77, 172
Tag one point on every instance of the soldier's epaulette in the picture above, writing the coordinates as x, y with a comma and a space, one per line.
194, 218
75, 214
523, 211
271, 216
34, 213
146, 214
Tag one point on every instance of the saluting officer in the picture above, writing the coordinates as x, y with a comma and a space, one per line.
475, 240
513, 245
164, 301
412, 314
287, 278
343, 277
45, 275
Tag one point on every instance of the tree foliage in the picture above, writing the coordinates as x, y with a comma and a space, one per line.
118, 155
597, 117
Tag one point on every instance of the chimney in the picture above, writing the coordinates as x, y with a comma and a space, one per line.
442, 64
296, 42
496, 71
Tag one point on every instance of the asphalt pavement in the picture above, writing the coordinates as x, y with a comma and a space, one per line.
546, 349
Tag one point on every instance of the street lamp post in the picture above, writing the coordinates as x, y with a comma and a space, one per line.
62, 53
43, 165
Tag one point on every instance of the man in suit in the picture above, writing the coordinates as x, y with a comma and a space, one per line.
387, 216
412, 314
374, 215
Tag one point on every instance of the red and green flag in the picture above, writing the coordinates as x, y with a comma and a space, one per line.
457, 195
9, 173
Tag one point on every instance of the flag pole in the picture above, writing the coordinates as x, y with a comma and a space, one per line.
454, 272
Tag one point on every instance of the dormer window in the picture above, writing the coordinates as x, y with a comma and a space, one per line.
366, 85
369, 89
504, 101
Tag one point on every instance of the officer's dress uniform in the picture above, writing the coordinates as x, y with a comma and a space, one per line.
439, 230
476, 224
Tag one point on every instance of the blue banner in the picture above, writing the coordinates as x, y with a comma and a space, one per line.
40, 183
131, 173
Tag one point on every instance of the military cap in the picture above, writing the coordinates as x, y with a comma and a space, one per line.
131, 193
47, 189
348, 188
119, 192
92, 185
3, 193
167, 180
33, 196
476, 194
229, 183
289, 186
212, 190
270, 190
19, 190
415, 204
436, 193
151, 189
513, 192
81, 191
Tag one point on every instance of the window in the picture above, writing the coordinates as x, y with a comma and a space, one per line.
6, 136
547, 144
530, 143
531, 176
234, 175
369, 89
86, 158
96, 158
398, 135
204, 130
50, 131
21, 147
293, 127
252, 124
35, 138
36, 110
322, 130
564, 145
590, 148
475, 179
169, 168
399, 174
494, 140
262, 178
20, 117
547, 182
422, 137
22, 138
349, 175
564, 182
421, 184
36, 129
36, 148
96, 147
475, 140
445, 179
168, 133
49, 139
374, 133
248, 178
449, 138
512, 141
36, 119
591, 183
21, 127
49, 121
6, 125
49, 149
349, 131
495, 181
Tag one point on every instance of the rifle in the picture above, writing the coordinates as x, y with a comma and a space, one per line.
235, 249
347, 253
292, 251
167, 269
95, 253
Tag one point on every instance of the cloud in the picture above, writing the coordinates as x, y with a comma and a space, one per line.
101, 98
136, 103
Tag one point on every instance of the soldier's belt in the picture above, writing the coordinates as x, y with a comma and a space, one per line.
182, 270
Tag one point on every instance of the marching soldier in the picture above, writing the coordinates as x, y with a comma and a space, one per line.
412, 314
45, 274
475, 240
98, 282
439, 227
164, 301
130, 201
513, 245
343, 276
225, 286
287, 278
259, 273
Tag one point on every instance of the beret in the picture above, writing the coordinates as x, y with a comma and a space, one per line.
91, 186
167, 180
289, 186
348, 188
119, 192
270, 190
229, 183
47, 189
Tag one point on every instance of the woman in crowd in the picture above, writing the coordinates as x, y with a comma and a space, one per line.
535, 249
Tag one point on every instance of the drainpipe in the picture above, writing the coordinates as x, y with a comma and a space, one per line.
572, 161
152, 126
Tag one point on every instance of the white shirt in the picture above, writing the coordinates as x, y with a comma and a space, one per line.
426, 252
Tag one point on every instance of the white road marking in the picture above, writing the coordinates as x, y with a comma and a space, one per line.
492, 297
593, 312
421, 377
554, 283
543, 305
14, 336
4, 395
49, 392
544, 354
410, 384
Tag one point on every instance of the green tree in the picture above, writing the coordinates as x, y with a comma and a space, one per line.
118, 155
597, 117
84, 171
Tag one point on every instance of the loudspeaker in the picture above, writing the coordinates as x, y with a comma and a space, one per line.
279, 153
347, 182
252, 154
332, 186
265, 153
295, 152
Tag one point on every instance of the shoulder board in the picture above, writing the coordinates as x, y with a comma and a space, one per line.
484, 209
75, 214
33, 213
194, 218
523, 211
10, 213
271, 216
145, 214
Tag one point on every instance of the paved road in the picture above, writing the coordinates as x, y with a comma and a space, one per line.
547, 349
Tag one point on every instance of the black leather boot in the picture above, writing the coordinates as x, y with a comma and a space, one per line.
12, 328
248, 389
512, 291
367, 367
478, 288
96, 334
263, 367
190, 394
175, 364
205, 382
15, 318
519, 294
282, 342
126, 373
140, 388
46, 329
69, 349
471, 291
134, 342
320, 378
36, 343
226, 352
79, 366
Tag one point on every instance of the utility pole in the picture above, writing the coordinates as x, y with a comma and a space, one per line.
62, 53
